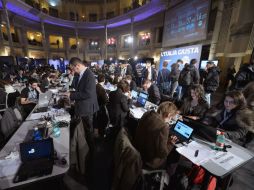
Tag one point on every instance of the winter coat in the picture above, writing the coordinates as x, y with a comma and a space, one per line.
212, 80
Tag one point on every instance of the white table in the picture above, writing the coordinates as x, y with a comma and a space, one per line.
61, 145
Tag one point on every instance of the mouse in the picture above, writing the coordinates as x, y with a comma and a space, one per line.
63, 161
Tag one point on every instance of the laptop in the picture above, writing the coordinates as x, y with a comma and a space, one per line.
142, 98
182, 130
202, 130
134, 94
37, 159
44, 99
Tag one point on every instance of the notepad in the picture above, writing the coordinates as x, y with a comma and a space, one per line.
188, 151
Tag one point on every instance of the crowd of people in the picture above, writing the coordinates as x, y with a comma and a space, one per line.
182, 90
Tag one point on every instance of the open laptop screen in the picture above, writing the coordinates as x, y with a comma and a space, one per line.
183, 129
142, 98
37, 150
134, 94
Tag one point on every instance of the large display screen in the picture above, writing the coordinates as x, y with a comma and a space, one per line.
184, 53
186, 23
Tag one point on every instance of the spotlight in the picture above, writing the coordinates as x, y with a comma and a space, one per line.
135, 58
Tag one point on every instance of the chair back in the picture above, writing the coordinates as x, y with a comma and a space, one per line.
127, 163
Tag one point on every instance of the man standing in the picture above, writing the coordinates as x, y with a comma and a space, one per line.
85, 96
149, 72
212, 80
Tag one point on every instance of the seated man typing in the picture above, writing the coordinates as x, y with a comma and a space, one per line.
152, 138
29, 96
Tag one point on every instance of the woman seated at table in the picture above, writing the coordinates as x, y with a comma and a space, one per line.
119, 103
229, 116
195, 105
152, 137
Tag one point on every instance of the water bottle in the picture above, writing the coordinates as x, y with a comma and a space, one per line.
220, 140
56, 130
37, 134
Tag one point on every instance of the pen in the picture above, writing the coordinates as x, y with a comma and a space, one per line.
196, 153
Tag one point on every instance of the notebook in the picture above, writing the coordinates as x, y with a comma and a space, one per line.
37, 159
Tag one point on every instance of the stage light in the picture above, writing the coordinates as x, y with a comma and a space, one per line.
135, 58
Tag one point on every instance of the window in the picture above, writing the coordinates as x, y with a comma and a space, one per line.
110, 14
73, 43
92, 17
34, 38
56, 41
111, 42
127, 40
94, 45
53, 12
14, 34
144, 39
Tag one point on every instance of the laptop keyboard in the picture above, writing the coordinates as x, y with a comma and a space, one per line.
33, 169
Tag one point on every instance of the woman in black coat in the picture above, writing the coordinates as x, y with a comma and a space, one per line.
229, 116
195, 105
119, 103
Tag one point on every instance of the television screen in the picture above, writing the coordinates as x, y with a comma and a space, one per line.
185, 23
55, 63
204, 63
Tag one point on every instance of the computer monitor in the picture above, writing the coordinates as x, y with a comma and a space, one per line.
202, 130
134, 94
37, 149
182, 129
142, 98
204, 63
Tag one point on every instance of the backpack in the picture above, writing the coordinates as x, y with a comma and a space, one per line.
185, 78
195, 178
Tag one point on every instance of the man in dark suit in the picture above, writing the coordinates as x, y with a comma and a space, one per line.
153, 91
149, 72
85, 96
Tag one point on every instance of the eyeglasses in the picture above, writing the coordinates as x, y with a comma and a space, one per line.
231, 102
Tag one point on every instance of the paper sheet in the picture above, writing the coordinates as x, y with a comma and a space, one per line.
9, 167
137, 112
35, 116
226, 160
188, 151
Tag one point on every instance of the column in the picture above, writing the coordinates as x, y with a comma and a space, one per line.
132, 35
106, 45
23, 40
8, 26
77, 43
216, 30
44, 41
66, 47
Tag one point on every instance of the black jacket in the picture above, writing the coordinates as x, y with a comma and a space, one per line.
101, 95
85, 95
163, 76
212, 80
243, 77
145, 74
154, 95
118, 107
189, 75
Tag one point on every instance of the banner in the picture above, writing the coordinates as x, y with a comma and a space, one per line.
184, 53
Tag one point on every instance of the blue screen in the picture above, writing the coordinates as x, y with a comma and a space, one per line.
183, 129
184, 53
36, 150
134, 94
143, 95
141, 100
